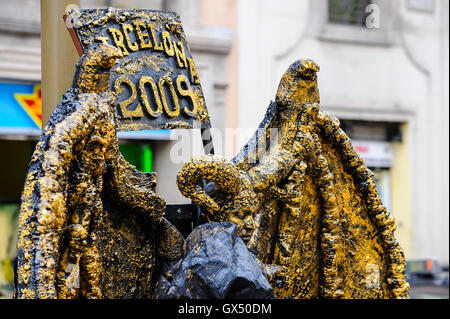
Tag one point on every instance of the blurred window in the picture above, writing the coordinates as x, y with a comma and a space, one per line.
352, 12
354, 21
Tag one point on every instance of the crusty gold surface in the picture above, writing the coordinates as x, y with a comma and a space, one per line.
156, 81
91, 225
313, 202
89, 221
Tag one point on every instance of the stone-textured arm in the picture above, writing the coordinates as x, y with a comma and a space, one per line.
80, 119
70, 232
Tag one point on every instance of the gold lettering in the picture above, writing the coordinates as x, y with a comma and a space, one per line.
193, 71
123, 105
168, 48
142, 34
181, 56
187, 92
118, 40
144, 98
157, 46
127, 28
176, 111
104, 40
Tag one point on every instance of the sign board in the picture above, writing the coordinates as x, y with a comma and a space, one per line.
156, 81
20, 106
376, 154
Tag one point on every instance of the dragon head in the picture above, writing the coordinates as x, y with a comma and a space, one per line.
299, 84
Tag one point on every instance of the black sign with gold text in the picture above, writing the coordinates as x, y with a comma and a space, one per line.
156, 81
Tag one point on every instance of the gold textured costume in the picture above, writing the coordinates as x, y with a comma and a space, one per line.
310, 201
90, 224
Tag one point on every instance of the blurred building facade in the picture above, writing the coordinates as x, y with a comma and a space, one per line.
386, 81
388, 85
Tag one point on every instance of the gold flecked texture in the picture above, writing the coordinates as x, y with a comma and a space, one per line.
156, 79
313, 204
88, 219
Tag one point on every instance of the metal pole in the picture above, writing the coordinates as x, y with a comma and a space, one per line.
58, 54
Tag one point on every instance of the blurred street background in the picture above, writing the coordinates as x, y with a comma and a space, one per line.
384, 74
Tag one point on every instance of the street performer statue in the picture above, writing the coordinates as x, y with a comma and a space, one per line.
295, 214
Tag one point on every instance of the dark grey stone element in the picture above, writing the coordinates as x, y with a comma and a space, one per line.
216, 264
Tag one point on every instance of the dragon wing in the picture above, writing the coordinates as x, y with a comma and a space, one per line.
335, 238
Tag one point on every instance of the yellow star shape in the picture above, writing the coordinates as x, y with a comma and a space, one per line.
32, 104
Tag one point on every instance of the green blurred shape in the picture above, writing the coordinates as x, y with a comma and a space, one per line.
139, 155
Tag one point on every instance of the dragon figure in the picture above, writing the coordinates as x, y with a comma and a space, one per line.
308, 203
92, 226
